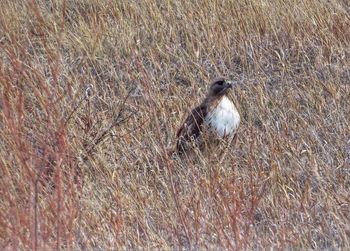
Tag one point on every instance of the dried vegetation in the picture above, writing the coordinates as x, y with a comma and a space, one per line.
92, 93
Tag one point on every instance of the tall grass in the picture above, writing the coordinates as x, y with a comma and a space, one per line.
92, 93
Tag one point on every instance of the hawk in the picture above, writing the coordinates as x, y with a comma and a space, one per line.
216, 118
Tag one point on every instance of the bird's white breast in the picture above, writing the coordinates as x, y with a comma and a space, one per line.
224, 118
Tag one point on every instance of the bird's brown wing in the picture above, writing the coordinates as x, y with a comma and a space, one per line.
191, 128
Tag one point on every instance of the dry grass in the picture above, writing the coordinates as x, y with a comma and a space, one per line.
92, 93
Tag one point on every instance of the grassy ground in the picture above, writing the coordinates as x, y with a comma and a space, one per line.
92, 93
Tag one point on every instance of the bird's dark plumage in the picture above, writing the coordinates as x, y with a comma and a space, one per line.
191, 128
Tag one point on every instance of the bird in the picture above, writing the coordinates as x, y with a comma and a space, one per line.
214, 120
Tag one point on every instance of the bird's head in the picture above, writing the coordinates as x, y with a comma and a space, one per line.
220, 87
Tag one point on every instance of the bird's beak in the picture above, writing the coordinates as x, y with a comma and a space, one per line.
229, 84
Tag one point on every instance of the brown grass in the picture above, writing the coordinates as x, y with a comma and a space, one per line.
92, 93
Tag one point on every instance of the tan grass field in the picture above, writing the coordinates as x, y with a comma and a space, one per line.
93, 92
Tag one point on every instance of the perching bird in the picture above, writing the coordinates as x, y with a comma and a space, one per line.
215, 119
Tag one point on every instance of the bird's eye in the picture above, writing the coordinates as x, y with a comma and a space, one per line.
221, 83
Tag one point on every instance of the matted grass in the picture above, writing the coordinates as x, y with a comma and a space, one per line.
92, 93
